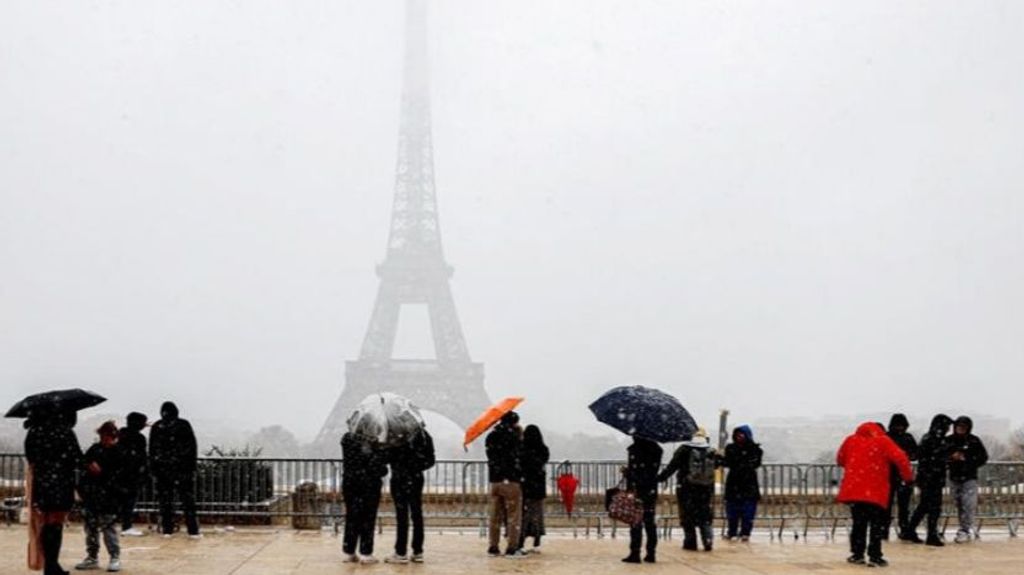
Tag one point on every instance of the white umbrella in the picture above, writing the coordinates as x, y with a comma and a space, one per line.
385, 418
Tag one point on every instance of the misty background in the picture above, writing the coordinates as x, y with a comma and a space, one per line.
788, 209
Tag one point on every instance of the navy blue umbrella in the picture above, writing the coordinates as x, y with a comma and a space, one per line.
645, 412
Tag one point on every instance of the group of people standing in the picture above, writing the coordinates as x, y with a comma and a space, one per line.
107, 478
694, 465
878, 477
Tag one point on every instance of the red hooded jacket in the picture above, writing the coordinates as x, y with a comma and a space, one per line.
866, 458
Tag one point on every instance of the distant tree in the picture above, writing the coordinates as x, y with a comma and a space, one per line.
997, 450
825, 457
275, 441
240, 452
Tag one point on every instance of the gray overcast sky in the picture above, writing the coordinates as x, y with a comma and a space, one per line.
787, 208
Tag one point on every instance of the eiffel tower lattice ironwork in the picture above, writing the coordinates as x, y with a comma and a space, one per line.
414, 272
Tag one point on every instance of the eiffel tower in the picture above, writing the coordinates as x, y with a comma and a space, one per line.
414, 272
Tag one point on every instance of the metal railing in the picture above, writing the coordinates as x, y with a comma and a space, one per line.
800, 497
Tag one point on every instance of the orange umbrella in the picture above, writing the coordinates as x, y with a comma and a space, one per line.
489, 418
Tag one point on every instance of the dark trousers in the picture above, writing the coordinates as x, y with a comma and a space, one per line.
930, 506
408, 496
183, 486
360, 518
647, 526
695, 514
127, 514
740, 514
868, 520
900, 495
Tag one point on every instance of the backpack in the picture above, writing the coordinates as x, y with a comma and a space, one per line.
702, 467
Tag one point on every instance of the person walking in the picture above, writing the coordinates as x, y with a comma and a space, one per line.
900, 492
534, 459
866, 457
102, 488
136, 469
53, 455
693, 463
966, 454
408, 461
363, 469
643, 463
932, 463
504, 472
742, 491
173, 456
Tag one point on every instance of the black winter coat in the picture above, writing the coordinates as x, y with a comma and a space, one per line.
933, 455
105, 492
974, 453
502, 447
136, 461
55, 456
643, 463
172, 447
742, 460
362, 466
534, 459
409, 460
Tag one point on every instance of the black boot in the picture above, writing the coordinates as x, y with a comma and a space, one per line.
51, 538
633, 557
649, 558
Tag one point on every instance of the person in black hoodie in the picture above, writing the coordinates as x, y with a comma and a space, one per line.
643, 463
53, 452
505, 474
742, 492
966, 455
534, 458
408, 461
136, 468
932, 459
172, 457
102, 489
694, 464
363, 469
900, 492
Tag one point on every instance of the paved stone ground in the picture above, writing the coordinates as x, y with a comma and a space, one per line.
284, 551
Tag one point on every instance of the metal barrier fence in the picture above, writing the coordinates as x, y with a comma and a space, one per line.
800, 497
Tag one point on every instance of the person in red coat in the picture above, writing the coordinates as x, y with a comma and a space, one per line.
867, 458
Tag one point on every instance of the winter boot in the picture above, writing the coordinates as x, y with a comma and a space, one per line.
51, 537
633, 557
649, 557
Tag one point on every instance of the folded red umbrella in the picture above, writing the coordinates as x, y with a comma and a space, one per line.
567, 484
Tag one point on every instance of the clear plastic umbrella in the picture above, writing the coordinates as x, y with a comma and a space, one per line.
386, 419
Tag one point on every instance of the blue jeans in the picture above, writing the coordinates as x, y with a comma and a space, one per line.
744, 509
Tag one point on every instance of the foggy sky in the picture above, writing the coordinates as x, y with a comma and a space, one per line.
779, 207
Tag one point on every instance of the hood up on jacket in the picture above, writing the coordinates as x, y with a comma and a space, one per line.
136, 421
940, 424
898, 420
745, 430
169, 411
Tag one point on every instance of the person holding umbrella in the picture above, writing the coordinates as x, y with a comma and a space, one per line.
53, 452
505, 475
363, 468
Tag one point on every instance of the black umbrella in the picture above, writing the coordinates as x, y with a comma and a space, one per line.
54, 401
645, 412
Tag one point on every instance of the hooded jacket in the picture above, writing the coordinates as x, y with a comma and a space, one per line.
972, 451
133, 447
742, 460
409, 460
172, 444
643, 463
902, 438
104, 492
933, 454
680, 462
534, 456
866, 457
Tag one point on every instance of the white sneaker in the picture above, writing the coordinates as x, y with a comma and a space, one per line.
517, 554
534, 550
962, 537
350, 558
88, 564
417, 558
196, 537
368, 560
167, 535
114, 566
133, 532
396, 559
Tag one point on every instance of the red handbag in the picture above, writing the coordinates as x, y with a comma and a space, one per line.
625, 507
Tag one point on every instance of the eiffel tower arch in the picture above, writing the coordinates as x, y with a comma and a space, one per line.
414, 272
